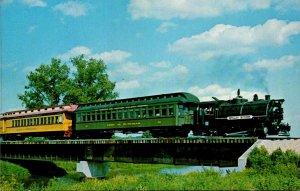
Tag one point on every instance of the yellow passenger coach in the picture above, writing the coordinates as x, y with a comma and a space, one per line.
54, 122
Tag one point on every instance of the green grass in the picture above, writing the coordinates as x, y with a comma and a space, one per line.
276, 171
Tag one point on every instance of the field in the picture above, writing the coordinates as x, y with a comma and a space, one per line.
276, 171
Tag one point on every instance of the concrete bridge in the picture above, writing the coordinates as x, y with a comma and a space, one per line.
94, 154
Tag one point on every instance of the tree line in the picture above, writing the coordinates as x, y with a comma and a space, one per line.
86, 80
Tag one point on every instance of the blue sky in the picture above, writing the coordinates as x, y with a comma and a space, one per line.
205, 47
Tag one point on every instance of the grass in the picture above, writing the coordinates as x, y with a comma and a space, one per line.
276, 171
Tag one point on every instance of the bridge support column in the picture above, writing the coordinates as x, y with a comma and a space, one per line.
242, 160
93, 169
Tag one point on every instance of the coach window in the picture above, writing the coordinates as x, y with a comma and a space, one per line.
180, 112
98, 115
83, 117
131, 113
13, 123
78, 115
114, 115
157, 111
137, 113
125, 114
144, 112
60, 119
93, 116
164, 110
88, 116
108, 115
120, 114
37, 121
171, 110
49, 120
150, 111
103, 116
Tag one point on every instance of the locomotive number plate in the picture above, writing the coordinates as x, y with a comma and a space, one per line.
239, 117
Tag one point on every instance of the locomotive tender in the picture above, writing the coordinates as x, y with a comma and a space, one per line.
165, 115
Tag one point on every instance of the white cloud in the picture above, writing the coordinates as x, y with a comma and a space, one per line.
131, 69
34, 3
165, 27
114, 56
287, 5
178, 72
188, 9
161, 64
72, 8
227, 40
273, 64
76, 51
31, 29
222, 93
125, 85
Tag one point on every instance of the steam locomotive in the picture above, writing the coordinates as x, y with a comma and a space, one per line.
259, 117
164, 115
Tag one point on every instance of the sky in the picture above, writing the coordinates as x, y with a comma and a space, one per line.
205, 47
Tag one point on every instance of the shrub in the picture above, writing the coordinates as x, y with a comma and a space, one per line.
12, 176
259, 158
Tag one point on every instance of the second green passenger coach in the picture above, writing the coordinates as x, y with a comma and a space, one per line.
163, 115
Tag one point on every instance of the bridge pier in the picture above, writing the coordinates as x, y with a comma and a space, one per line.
93, 169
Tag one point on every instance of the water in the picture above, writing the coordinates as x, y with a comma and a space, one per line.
180, 171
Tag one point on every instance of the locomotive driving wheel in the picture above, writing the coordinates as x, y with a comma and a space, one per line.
260, 131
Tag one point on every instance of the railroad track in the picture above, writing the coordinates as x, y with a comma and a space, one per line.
280, 138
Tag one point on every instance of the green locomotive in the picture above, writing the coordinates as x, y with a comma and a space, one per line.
259, 117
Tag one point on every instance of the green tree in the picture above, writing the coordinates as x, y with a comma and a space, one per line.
54, 84
46, 85
90, 82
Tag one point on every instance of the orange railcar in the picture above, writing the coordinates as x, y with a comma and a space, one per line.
54, 121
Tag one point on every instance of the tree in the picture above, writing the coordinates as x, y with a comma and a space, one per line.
54, 84
46, 85
90, 82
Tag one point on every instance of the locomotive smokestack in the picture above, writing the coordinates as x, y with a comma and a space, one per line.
255, 97
238, 93
267, 97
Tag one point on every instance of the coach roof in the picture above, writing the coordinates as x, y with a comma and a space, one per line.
181, 97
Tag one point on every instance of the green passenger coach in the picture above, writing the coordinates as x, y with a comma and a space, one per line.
163, 115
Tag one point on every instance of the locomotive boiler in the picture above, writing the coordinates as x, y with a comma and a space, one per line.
259, 117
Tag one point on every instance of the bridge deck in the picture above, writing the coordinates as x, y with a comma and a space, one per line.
191, 151
200, 140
